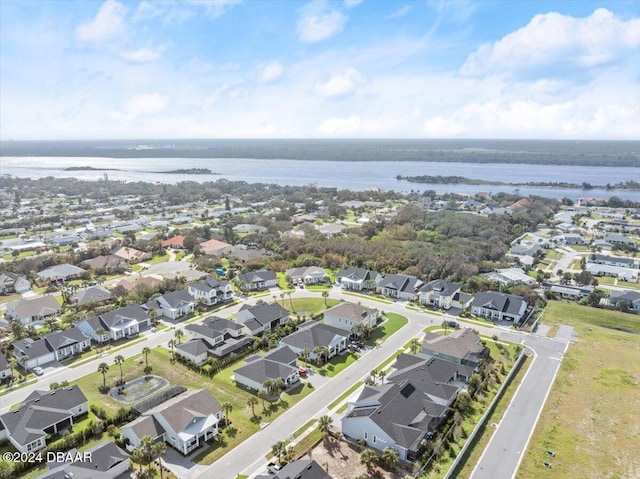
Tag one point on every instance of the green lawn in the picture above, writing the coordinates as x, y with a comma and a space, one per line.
344, 395
337, 364
580, 248
158, 259
319, 287
392, 324
590, 410
5, 298
553, 254
307, 306
282, 280
366, 296
23, 254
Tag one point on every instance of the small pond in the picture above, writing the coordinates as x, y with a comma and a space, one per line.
138, 389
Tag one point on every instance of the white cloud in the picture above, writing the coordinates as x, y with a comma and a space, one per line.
559, 41
340, 126
143, 104
143, 55
215, 8
271, 72
352, 3
316, 23
401, 12
341, 84
106, 25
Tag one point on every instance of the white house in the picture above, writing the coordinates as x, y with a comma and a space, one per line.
399, 286
499, 306
211, 291
33, 310
13, 283
357, 279
312, 335
257, 280
55, 346
117, 324
174, 304
308, 274
347, 315
438, 293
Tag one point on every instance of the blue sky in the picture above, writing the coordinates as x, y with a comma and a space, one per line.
319, 69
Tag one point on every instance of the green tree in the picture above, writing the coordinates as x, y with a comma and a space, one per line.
414, 346
279, 449
100, 332
103, 368
325, 295
252, 402
159, 449
146, 444
118, 360
227, 408
324, 425
137, 456
179, 334
390, 457
146, 351
368, 459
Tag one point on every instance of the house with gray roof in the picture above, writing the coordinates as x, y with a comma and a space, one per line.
257, 280
184, 422
108, 263
400, 286
630, 299
300, 469
278, 364
438, 293
117, 324
55, 346
620, 261
261, 317
308, 274
91, 294
41, 414
60, 273
357, 279
13, 283
434, 375
567, 291
348, 315
499, 306
223, 337
33, 310
312, 335
211, 290
393, 415
623, 274
174, 304
620, 241
107, 461
461, 346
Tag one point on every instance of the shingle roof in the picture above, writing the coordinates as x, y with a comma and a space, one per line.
352, 312
462, 344
33, 349
262, 369
506, 303
93, 293
146, 426
195, 347
59, 339
60, 271
42, 306
356, 274
135, 311
257, 276
263, 313
178, 298
316, 334
400, 282
440, 285
302, 469
182, 409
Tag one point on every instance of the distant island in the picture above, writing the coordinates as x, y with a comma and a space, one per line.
190, 171
461, 180
88, 168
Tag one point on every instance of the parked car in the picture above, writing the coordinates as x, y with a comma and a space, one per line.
302, 372
38, 371
273, 468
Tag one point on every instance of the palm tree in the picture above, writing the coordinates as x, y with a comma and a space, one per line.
325, 354
137, 456
153, 315
278, 449
390, 457
227, 408
100, 332
262, 395
146, 351
172, 343
282, 298
158, 450
414, 346
368, 459
325, 295
290, 301
317, 351
304, 354
103, 368
146, 444
252, 402
381, 374
51, 324
179, 334
324, 425
118, 360
267, 385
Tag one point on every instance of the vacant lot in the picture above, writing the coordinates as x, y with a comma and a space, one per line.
590, 419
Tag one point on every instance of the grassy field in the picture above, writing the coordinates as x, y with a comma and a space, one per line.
590, 419
158, 259
393, 323
308, 306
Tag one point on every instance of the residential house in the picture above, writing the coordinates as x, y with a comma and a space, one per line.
211, 290
279, 364
185, 421
108, 263
55, 346
174, 304
331, 229
462, 346
620, 261
60, 273
41, 414
5, 369
14, 283
131, 255
628, 299
438, 293
509, 276
33, 310
499, 306
90, 295
117, 324
348, 315
249, 229
620, 241
308, 274
400, 286
176, 242
242, 254
215, 247
221, 337
427, 373
300, 469
566, 291
128, 285
357, 279
623, 274
107, 461
261, 317
312, 335
257, 280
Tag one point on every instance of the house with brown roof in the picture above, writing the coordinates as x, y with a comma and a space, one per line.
131, 255
176, 241
348, 315
461, 346
215, 247
33, 310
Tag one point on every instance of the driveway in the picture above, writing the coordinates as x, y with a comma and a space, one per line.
181, 466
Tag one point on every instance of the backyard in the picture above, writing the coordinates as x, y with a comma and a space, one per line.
584, 420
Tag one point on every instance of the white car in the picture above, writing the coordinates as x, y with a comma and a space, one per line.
38, 371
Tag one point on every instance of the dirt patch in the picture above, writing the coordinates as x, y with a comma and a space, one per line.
343, 462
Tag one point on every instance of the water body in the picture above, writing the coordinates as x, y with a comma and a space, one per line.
327, 163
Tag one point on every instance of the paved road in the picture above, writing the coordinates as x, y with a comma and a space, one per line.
502, 456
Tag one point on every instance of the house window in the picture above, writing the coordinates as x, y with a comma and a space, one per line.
366, 435
374, 439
